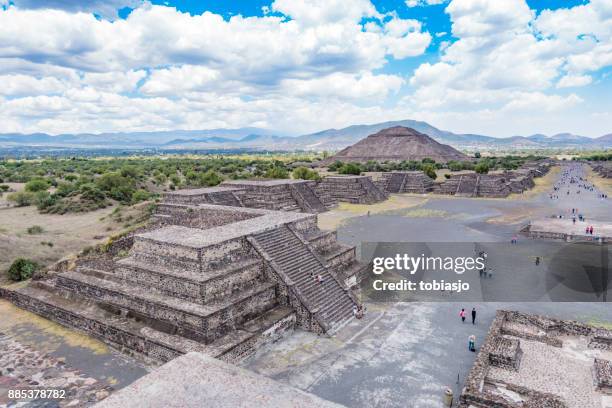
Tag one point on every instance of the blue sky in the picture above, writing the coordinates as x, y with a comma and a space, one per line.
493, 67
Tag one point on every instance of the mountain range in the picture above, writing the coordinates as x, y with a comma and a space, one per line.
257, 138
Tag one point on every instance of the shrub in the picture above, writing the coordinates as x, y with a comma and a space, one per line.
22, 269
64, 189
335, 166
430, 171
44, 200
447, 176
140, 195
35, 229
277, 172
4, 188
21, 198
481, 168
455, 166
350, 168
210, 178
92, 193
37, 184
305, 173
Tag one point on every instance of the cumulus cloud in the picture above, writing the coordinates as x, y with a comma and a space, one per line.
178, 70
508, 59
105, 8
302, 66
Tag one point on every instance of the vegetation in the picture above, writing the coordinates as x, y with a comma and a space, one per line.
426, 165
350, 168
305, 173
76, 185
481, 168
603, 156
22, 269
35, 229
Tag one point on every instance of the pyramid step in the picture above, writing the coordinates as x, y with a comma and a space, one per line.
201, 321
198, 287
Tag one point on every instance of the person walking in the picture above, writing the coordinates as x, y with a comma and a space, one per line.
472, 343
462, 315
473, 315
537, 260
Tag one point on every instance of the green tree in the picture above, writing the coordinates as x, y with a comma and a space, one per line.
481, 168
305, 173
277, 172
37, 184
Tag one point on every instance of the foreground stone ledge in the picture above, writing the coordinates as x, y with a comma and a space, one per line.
196, 380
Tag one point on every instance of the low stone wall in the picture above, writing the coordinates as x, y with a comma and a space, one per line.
118, 338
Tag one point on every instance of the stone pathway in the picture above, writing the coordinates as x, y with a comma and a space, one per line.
23, 368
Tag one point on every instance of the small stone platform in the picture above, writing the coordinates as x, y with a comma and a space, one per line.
565, 229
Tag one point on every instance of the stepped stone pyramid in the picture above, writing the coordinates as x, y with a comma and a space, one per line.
217, 279
397, 143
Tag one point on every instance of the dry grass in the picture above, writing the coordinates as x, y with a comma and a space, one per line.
542, 185
67, 234
601, 183
331, 220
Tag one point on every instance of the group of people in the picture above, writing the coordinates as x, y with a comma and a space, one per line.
472, 338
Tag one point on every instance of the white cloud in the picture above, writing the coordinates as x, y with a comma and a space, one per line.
569, 81
303, 66
418, 3
161, 67
105, 8
506, 58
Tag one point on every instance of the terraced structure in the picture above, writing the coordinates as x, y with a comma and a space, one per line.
218, 279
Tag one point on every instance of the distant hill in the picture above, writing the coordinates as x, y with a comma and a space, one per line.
257, 138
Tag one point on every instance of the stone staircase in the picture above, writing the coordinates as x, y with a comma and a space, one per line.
373, 193
328, 301
396, 181
307, 199
467, 186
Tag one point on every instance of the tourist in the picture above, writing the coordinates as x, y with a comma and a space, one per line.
473, 315
472, 343
355, 310
462, 315
537, 260
591, 230
320, 279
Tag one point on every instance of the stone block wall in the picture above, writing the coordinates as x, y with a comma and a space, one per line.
349, 189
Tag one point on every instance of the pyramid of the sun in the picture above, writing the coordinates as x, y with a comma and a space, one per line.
397, 144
